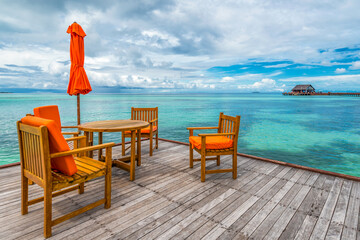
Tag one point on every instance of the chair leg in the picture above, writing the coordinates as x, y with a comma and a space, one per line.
81, 188
123, 143
234, 166
157, 140
108, 190
24, 194
47, 211
203, 167
108, 178
191, 156
151, 144
218, 160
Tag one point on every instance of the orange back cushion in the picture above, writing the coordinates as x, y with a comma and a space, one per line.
57, 143
49, 112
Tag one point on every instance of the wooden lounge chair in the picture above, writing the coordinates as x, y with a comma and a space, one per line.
144, 114
35, 158
224, 142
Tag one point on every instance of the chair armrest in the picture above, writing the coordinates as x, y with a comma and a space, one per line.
69, 126
69, 133
191, 129
154, 120
75, 138
200, 128
215, 134
81, 150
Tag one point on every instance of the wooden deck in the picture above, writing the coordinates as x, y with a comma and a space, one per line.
167, 200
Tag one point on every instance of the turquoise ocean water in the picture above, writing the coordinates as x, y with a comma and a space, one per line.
315, 131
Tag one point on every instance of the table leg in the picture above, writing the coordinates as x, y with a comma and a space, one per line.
132, 156
87, 139
139, 147
91, 142
100, 142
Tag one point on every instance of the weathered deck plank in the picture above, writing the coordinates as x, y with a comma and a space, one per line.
168, 200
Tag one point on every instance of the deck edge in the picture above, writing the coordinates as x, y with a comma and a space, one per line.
350, 177
9, 165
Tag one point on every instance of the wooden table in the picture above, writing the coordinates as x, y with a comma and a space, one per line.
134, 126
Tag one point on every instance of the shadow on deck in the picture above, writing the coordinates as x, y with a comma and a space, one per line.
167, 200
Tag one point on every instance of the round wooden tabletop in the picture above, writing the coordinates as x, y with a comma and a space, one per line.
113, 125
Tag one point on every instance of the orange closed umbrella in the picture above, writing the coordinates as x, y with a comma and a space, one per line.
79, 82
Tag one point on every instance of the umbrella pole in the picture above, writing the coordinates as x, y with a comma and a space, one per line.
78, 108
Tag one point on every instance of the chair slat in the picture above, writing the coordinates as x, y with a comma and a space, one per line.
36, 156
26, 151
30, 154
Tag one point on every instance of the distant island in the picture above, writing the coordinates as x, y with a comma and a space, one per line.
5, 92
308, 90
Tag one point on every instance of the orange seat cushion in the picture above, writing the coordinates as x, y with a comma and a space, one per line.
213, 142
57, 143
49, 112
144, 130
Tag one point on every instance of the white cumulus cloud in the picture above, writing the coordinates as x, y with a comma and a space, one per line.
340, 70
355, 65
227, 79
265, 85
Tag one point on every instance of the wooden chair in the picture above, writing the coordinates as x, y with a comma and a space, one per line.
35, 160
224, 142
144, 114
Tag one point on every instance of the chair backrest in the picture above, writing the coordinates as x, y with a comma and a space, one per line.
229, 124
34, 152
49, 112
144, 114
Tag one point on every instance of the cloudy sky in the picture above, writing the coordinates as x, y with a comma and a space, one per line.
164, 45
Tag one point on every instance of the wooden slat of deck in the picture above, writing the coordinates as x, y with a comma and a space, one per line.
352, 214
167, 200
279, 215
265, 211
338, 218
195, 215
237, 213
305, 208
306, 228
323, 222
280, 225
207, 217
265, 193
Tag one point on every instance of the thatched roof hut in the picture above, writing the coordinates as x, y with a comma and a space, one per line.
303, 89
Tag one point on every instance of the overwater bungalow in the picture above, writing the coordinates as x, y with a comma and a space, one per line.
301, 90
